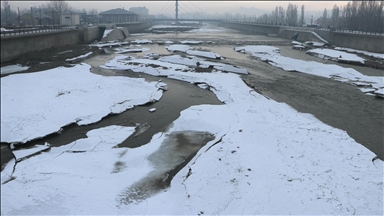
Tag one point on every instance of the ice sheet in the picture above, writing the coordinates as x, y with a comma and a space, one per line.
37, 104
336, 55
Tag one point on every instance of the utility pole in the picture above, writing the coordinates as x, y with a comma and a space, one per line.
18, 18
177, 11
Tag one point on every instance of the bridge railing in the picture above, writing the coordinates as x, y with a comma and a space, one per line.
312, 28
32, 30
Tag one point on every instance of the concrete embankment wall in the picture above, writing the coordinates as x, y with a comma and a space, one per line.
252, 27
367, 42
371, 43
89, 34
302, 35
135, 27
14, 46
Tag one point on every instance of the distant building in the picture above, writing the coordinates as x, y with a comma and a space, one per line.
28, 20
69, 18
324, 23
141, 11
89, 18
118, 15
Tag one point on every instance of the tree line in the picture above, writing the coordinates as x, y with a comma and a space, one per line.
51, 9
366, 15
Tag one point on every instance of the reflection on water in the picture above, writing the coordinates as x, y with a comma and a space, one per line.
174, 153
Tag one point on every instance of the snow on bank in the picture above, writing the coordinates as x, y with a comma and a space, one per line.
375, 55
13, 69
37, 104
257, 49
165, 65
109, 44
79, 57
266, 158
106, 32
336, 72
336, 55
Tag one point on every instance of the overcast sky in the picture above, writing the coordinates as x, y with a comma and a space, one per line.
168, 7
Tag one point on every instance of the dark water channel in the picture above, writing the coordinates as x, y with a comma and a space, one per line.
180, 96
338, 104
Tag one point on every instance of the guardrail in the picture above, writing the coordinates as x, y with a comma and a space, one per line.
31, 30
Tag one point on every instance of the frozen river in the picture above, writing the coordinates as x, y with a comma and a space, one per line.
196, 142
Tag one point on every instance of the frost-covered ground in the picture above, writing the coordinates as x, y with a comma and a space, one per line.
262, 157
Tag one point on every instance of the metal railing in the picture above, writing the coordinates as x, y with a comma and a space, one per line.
310, 28
31, 30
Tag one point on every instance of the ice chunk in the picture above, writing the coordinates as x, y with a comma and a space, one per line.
22, 154
13, 69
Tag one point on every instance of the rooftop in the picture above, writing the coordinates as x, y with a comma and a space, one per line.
117, 11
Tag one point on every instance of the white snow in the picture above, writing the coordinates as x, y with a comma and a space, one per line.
130, 50
257, 49
314, 43
336, 55
79, 57
336, 72
13, 69
190, 42
179, 48
297, 43
376, 55
38, 104
106, 32
152, 109
299, 47
206, 30
141, 41
379, 92
109, 44
21, 154
320, 38
211, 55
266, 158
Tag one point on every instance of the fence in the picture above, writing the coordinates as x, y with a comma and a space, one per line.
31, 30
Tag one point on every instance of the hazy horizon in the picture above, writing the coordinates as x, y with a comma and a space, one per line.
168, 7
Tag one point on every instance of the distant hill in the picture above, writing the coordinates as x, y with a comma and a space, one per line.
248, 11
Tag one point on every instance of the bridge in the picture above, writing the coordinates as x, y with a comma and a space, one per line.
177, 19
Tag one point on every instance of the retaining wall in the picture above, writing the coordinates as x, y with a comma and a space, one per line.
371, 43
90, 34
252, 27
14, 46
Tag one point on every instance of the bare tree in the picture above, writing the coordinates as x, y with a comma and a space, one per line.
335, 16
281, 15
58, 6
302, 15
292, 14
